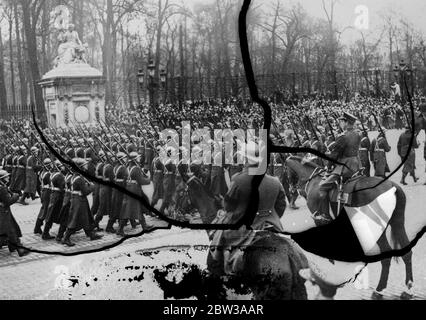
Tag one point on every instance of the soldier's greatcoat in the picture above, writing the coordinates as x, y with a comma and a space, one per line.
57, 182
118, 196
133, 208
105, 192
65, 209
9, 228
404, 149
31, 176
19, 181
79, 214
378, 151
363, 155
45, 194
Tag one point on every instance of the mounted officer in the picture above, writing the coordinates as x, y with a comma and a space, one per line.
345, 153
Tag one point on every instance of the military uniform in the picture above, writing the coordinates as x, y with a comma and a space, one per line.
45, 199
79, 212
364, 156
65, 208
117, 196
404, 150
57, 185
157, 179
133, 209
378, 151
9, 228
345, 152
272, 204
105, 194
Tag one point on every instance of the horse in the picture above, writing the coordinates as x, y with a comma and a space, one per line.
281, 267
322, 240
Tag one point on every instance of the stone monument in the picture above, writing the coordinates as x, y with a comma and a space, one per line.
74, 92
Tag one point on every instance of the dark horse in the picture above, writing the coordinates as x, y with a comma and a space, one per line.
277, 270
324, 241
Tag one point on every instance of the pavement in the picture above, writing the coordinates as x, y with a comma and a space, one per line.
125, 271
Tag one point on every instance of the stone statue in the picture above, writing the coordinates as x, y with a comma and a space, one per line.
71, 49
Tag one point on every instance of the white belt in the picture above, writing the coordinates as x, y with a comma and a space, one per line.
56, 189
77, 193
363, 149
119, 180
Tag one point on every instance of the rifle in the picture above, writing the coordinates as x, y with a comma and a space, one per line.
295, 132
26, 146
362, 124
312, 127
330, 126
378, 124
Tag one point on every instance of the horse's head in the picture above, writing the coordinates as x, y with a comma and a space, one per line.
302, 170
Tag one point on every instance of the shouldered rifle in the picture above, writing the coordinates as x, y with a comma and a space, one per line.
312, 127
330, 126
361, 119
295, 132
378, 124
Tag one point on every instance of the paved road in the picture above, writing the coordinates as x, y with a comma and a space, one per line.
117, 273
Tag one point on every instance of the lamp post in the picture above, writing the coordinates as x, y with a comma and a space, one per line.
163, 81
141, 81
152, 83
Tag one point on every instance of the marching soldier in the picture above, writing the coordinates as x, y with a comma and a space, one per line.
99, 169
133, 209
45, 196
30, 177
65, 208
157, 178
379, 148
57, 185
105, 193
9, 228
117, 196
19, 182
79, 212
404, 150
363, 153
169, 184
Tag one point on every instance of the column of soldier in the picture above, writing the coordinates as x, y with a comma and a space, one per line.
113, 154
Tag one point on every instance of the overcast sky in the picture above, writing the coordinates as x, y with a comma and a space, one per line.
413, 10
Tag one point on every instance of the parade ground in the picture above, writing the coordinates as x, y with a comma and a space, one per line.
125, 271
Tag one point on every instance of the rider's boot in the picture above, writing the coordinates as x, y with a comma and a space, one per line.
414, 177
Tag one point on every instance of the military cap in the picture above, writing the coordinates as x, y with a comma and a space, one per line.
47, 161
34, 149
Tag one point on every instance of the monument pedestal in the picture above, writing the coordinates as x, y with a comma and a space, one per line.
74, 93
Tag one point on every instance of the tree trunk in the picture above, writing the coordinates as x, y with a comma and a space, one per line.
30, 34
3, 93
12, 65
19, 58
